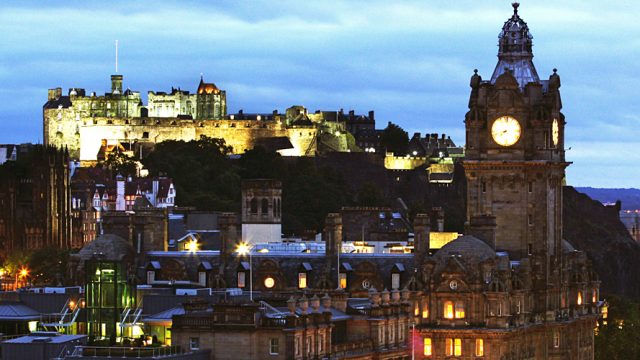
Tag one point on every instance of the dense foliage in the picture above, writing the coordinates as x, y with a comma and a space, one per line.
206, 177
619, 338
394, 139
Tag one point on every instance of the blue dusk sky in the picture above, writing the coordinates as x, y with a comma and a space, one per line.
410, 61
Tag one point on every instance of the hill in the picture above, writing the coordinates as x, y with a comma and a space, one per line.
630, 198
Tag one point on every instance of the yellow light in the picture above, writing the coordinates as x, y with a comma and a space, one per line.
425, 313
24, 272
191, 246
448, 310
243, 249
72, 304
269, 282
479, 347
457, 350
427, 347
2, 272
579, 297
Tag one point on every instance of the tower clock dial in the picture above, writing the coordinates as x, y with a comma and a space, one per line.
506, 131
555, 132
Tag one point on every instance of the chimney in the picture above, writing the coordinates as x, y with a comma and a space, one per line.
58, 93
315, 303
51, 94
339, 300
291, 305
332, 236
228, 225
371, 116
421, 230
304, 304
352, 114
438, 216
484, 228
326, 301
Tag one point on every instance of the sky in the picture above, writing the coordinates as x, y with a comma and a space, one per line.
409, 61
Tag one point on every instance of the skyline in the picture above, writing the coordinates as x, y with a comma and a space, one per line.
409, 62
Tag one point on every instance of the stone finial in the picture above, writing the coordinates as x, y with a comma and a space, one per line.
374, 297
385, 297
326, 301
291, 304
304, 304
406, 294
315, 303
395, 296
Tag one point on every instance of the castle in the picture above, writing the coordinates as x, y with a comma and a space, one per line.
85, 123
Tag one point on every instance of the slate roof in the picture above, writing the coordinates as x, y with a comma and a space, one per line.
15, 311
63, 101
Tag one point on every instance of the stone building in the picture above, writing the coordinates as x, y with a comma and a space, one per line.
86, 124
35, 210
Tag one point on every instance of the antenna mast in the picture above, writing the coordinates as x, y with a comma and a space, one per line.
116, 56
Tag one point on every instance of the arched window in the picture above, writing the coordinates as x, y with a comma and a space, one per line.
254, 206
265, 206
448, 310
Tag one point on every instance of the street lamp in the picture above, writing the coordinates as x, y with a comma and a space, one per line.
244, 249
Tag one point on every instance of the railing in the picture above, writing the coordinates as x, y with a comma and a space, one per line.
352, 347
127, 352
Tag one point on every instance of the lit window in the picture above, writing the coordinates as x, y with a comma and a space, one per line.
594, 296
302, 280
425, 311
269, 282
457, 347
448, 347
274, 346
395, 281
579, 297
448, 310
343, 280
479, 347
428, 351
241, 279
416, 310
459, 310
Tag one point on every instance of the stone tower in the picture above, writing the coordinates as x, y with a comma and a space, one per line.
261, 211
515, 154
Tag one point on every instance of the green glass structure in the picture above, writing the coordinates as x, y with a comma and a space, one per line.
109, 294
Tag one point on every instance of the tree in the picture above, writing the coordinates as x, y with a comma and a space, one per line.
120, 164
395, 139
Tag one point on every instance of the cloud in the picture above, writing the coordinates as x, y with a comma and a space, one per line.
410, 61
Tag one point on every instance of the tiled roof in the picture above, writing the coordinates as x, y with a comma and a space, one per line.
17, 311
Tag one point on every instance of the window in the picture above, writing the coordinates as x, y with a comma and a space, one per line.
448, 347
484, 187
202, 278
425, 311
518, 307
297, 346
530, 186
343, 280
302, 280
241, 279
395, 281
530, 249
556, 339
265, 206
448, 310
530, 219
321, 344
274, 346
457, 347
479, 347
499, 311
194, 343
428, 350
459, 310
254, 206
309, 345
151, 277
579, 301
145, 135
594, 296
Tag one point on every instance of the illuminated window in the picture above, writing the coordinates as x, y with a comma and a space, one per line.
579, 298
594, 296
395, 281
457, 347
459, 310
479, 347
343, 280
302, 280
416, 310
241, 279
563, 300
425, 311
428, 350
448, 347
269, 282
448, 309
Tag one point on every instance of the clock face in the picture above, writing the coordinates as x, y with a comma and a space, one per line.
453, 285
506, 131
555, 132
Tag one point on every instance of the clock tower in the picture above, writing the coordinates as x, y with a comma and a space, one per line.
515, 163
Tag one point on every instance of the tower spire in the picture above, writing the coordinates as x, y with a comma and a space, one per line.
515, 8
